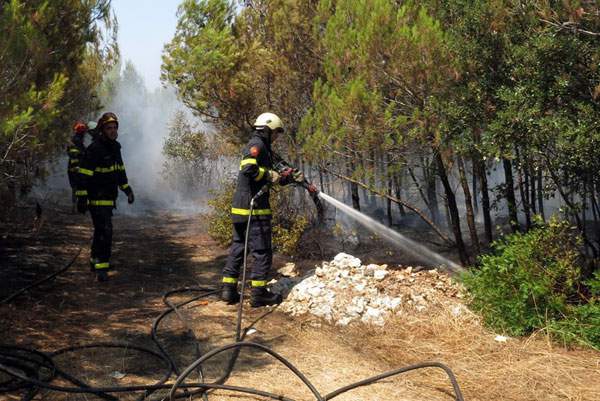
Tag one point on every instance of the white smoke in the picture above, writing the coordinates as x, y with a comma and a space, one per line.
144, 120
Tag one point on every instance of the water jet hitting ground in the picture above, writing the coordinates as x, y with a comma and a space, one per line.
406, 244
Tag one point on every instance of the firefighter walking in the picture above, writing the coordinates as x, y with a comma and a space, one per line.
75, 151
101, 174
256, 171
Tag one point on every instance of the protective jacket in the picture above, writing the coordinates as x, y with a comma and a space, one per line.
253, 175
101, 172
75, 152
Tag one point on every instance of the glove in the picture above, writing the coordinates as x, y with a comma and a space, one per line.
130, 197
312, 189
298, 176
82, 205
287, 172
274, 176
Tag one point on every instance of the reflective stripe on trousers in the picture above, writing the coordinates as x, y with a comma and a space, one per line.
246, 212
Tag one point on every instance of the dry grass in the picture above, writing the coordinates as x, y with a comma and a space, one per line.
521, 369
75, 309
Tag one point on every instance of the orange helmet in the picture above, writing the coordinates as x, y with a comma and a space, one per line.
107, 118
80, 128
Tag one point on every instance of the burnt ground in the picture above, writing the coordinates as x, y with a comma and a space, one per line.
162, 251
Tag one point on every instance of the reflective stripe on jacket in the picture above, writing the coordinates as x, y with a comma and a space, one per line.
75, 151
102, 172
252, 176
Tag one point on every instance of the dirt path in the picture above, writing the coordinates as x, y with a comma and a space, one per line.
163, 251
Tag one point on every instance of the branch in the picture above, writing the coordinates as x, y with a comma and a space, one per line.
570, 204
422, 215
569, 26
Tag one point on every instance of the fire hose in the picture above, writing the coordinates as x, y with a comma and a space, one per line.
32, 370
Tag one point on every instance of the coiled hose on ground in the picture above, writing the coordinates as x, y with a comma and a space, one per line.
31, 370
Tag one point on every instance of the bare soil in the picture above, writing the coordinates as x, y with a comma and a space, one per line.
161, 251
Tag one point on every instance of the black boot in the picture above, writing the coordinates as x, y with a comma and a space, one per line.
230, 294
263, 297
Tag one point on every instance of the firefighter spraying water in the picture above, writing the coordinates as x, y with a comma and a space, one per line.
260, 168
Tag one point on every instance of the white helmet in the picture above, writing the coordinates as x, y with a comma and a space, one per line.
268, 120
92, 125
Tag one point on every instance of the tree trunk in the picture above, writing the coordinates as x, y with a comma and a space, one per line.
390, 188
474, 184
485, 199
368, 167
540, 189
355, 197
479, 169
389, 206
468, 205
419, 212
572, 208
584, 207
398, 192
416, 182
595, 207
532, 195
353, 191
509, 193
527, 200
447, 214
430, 177
523, 190
454, 215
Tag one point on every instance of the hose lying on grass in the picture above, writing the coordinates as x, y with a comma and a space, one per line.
31, 370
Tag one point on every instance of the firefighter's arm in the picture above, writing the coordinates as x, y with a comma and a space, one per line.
73, 152
122, 180
74, 157
250, 168
85, 172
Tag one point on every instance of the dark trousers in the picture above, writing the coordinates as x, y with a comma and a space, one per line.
72, 184
259, 247
102, 242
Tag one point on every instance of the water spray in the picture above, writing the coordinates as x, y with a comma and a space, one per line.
406, 244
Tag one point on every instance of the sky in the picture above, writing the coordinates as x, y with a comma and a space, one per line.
144, 28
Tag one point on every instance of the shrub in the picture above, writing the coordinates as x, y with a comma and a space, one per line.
219, 218
534, 281
288, 222
287, 239
580, 325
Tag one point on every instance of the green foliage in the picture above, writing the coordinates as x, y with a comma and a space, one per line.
219, 218
192, 156
288, 225
288, 222
377, 91
534, 281
205, 56
53, 56
581, 325
230, 63
287, 240
183, 141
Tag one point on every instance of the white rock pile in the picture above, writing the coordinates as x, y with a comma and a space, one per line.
344, 290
